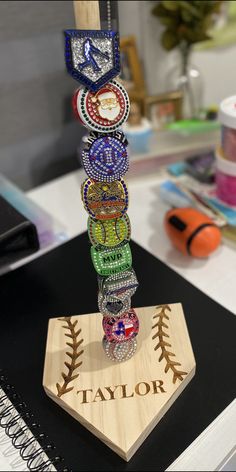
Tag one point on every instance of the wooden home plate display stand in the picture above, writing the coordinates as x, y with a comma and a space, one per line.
120, 403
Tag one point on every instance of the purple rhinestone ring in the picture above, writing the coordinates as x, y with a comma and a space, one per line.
106, 159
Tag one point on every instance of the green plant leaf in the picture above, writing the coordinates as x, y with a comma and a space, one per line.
213, 6
169, 40
186, 16
182, 31
159, 10
169, 21
195, 36
188, 6
217, 6
186, 21
171, 5
207, 22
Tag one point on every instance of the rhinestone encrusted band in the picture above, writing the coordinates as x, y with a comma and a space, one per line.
121, 285
113, 306
119, 352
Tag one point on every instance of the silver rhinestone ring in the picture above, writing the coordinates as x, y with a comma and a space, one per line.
119, 352
113, 306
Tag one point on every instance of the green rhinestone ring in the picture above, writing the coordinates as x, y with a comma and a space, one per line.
111, 261
109, 233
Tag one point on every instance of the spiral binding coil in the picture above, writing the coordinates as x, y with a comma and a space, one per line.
25, 433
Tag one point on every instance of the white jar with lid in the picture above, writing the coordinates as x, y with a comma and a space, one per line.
227, 118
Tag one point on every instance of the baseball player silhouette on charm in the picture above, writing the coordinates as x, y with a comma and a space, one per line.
89, 50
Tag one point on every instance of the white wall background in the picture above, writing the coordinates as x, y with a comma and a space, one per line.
218, 66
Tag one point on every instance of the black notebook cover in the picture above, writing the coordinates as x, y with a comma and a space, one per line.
63, 282
18, 235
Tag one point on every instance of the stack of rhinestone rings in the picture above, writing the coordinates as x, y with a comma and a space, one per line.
102, 105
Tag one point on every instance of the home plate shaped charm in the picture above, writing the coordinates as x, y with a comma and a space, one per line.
120, 403
92, 57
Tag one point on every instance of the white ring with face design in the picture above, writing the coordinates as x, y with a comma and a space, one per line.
104, 111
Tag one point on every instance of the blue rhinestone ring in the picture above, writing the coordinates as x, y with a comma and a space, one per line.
106, 160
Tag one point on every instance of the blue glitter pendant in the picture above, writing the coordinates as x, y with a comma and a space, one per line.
92, 57
106, 159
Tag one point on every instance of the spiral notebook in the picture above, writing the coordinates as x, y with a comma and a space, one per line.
23, 444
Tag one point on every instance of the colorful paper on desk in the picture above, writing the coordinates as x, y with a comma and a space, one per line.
173, 195
203, 205
229, 234
177, 168
179, 196
227, 212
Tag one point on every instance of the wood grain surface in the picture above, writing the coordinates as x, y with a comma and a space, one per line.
121, 402
87, 14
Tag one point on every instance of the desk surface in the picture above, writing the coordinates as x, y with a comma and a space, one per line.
214, 276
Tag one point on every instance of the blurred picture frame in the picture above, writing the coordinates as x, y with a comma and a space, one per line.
164, 108
131, 75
